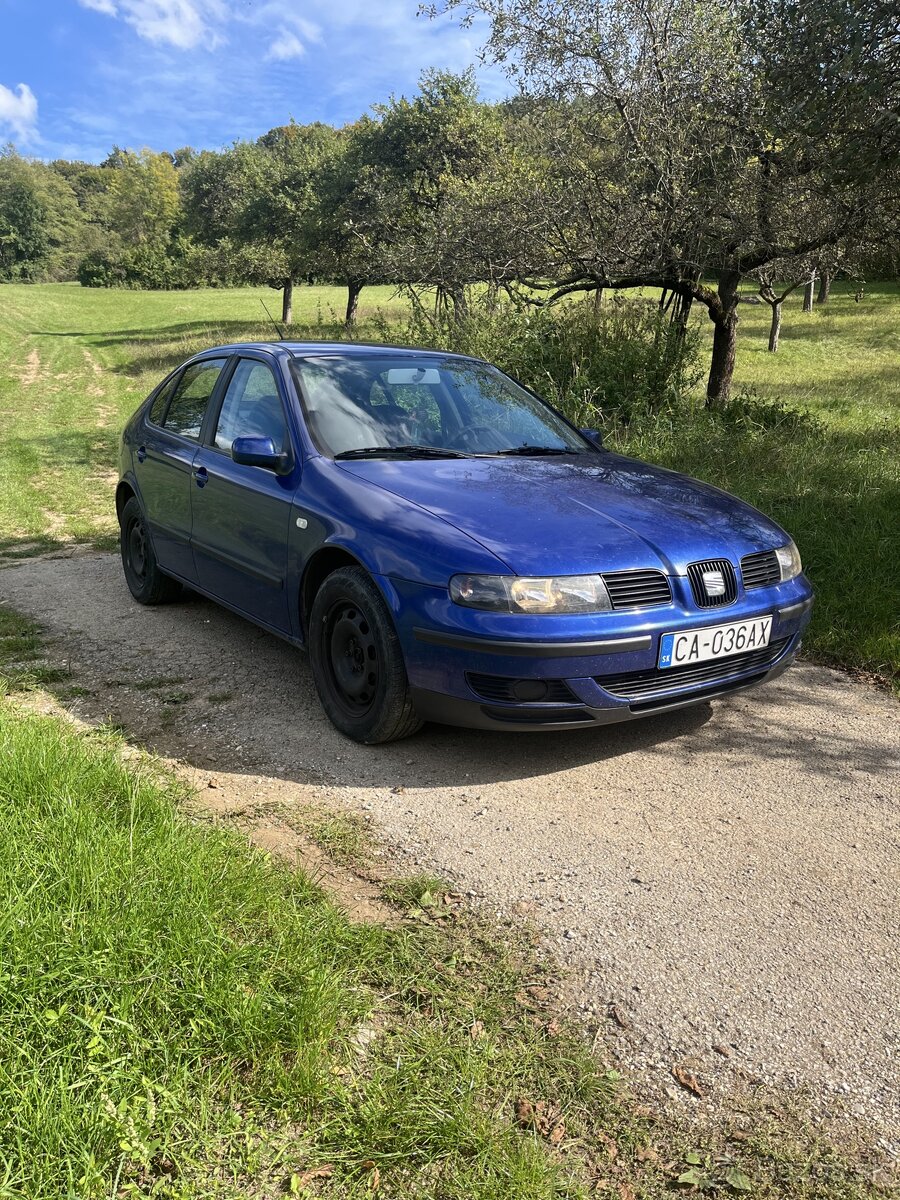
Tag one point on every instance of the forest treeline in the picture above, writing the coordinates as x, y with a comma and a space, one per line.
678, 145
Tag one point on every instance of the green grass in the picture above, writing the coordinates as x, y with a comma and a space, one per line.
182, 1017
177, 1013
76, 362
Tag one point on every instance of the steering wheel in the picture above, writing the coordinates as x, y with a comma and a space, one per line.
463, 440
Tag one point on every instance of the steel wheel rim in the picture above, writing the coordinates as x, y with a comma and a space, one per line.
351, 654
137, 549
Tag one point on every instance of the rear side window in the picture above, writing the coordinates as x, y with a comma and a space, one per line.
158, 407
187, 407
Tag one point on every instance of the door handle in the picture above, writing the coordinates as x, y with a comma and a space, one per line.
200, 476
141, 453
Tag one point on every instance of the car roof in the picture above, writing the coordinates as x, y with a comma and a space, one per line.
348, 349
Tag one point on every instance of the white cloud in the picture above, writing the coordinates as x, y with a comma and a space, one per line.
286, 45
189, 23
180, 23
101, 6
18, 111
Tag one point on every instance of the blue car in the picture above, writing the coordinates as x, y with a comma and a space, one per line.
445, 545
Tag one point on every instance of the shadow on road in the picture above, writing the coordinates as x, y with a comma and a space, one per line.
195, 682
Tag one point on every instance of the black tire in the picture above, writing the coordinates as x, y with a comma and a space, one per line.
357, 662
145, 580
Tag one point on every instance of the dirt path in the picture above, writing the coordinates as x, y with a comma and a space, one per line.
722, 883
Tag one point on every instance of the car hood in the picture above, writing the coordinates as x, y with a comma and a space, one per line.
603, 512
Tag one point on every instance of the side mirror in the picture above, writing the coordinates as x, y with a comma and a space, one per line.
594, 436
259, 452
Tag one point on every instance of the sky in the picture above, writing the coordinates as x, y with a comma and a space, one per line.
79, 76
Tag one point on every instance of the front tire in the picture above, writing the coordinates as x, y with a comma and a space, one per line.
145, 580
357, 662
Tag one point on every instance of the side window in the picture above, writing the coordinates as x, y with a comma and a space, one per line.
158, 407
188, 404
251, 407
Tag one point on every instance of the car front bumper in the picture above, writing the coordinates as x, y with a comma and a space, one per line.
469, 668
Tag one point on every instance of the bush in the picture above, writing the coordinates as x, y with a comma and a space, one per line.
179, 264
749, 413
596, 365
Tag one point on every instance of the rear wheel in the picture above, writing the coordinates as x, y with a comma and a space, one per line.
357, 662
145, 580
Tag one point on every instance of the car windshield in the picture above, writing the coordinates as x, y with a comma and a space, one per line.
378, 405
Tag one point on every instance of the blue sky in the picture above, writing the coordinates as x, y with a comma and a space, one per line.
77, 76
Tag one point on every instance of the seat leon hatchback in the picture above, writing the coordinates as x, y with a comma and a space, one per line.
445, 545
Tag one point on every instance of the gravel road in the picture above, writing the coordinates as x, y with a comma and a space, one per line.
726, 878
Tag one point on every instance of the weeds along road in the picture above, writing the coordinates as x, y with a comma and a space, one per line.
726, 878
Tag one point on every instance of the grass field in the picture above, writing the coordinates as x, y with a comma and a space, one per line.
76, 362
181, 1017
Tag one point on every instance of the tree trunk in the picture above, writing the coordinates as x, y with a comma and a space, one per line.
824, 288
808, 293
775, 328
598, 300
725, 321
681, 314
287, 302
458, 298
354, 287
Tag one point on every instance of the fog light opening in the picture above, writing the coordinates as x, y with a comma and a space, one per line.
529, 690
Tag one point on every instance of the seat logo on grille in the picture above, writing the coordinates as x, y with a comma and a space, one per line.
714, 583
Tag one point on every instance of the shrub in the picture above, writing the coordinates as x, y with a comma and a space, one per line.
178, 264
595, 364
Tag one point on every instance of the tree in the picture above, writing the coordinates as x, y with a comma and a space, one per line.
42, 231
438, 149
775, 300
389, 196
352, 212
142, 202
707, 177
257, 201
24, 240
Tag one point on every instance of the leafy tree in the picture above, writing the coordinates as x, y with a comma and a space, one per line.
142, 201
706, 175
355, 209
388, 193
42, 231
24, 238
434, 153
257, 204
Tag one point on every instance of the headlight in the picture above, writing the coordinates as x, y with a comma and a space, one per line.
520, 594
789, 561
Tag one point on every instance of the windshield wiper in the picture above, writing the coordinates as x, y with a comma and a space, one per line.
412, 451
538, 450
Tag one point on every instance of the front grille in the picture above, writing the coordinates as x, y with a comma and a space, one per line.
695, 575
498, 689
760, 570
638, 685
637, 589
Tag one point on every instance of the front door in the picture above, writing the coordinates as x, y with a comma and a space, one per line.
241, 514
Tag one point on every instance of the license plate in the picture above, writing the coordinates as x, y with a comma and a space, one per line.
716, 641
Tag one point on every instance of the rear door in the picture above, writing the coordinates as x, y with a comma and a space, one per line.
165, 457
241, 514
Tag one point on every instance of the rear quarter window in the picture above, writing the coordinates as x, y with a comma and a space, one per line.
157, 410
187, 407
